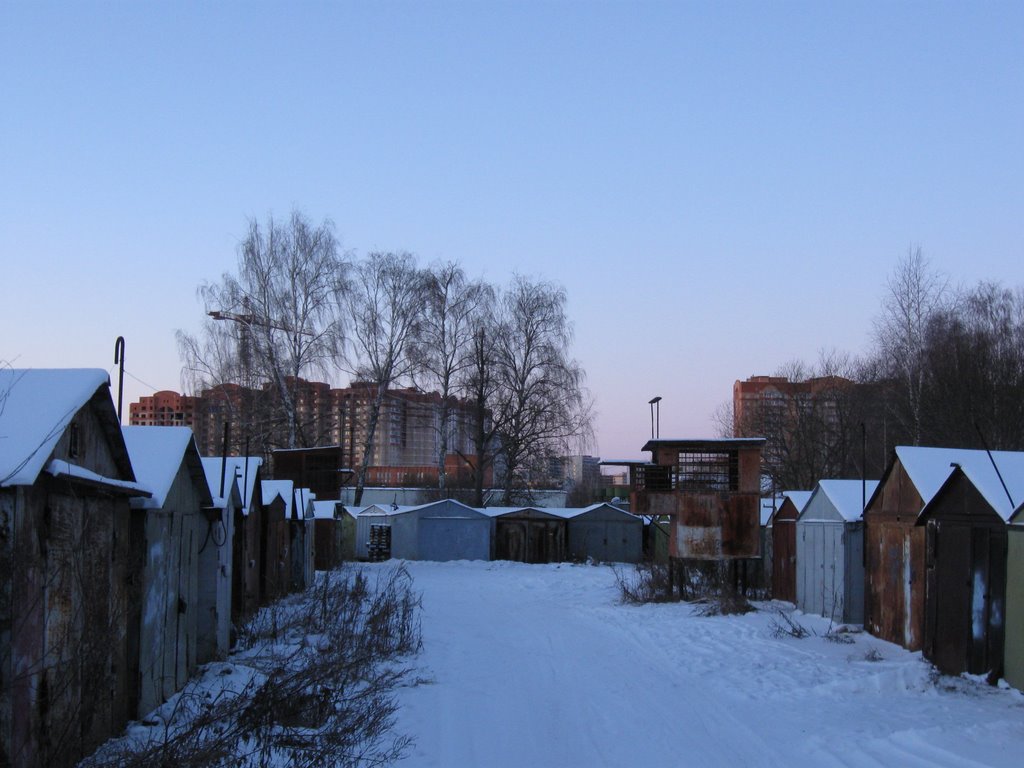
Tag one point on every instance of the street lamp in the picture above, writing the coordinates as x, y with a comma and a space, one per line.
653, 402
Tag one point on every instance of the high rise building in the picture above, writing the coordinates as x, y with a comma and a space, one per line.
407, 433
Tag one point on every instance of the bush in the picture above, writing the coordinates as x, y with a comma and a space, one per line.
784, 625
725, 604
648, 583
320, 672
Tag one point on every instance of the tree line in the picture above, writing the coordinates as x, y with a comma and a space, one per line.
945, 368
297, 306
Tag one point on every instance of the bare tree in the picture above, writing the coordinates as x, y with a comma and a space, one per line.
812, 429
385, 315
975, 371
916, 292
285, 300
452, 304
541, 406
479, 384
723, 419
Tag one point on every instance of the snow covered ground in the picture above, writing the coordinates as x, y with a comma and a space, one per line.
532, 665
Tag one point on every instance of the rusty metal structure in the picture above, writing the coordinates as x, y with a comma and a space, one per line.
710, 489
319, 469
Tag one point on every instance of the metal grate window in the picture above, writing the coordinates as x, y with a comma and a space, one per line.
708, 471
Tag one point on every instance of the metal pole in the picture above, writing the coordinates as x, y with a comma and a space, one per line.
999, 474
119, 358
654, 401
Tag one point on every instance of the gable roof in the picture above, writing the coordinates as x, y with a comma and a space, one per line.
157, 453
846, 496
798, 499
245, 468
930, 468
442, 505
1017, 518
283, 488
304, 497
324, 510
769, 506
989, 486
36, 407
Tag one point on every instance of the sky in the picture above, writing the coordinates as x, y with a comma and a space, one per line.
720, 187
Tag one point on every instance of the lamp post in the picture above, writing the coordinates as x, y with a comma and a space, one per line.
655, 401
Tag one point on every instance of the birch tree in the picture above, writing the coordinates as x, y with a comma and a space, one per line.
916, 293
385, 317
282, 313
451, 307
541, 406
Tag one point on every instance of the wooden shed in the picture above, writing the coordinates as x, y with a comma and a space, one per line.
335, 535
604, 533
830, 551
275, 534
1013, 650
247, 539
783, 529
65, 484
965, 565
216, 561
894, 545
528, 534
168, 530
762, 579
442, 530
303, 540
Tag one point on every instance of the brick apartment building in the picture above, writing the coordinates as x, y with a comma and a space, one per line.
408, 430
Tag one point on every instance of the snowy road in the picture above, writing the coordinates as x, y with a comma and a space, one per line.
542, 666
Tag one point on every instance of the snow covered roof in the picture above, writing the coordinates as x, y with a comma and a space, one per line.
798, 498
846, 496
929, 468
447, 505
324, 510
283, 488
769, 505
304, 497
563, 512
388, 510
1017, 518
36, 406
62, 468
704, 443
157, 454
246, 469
